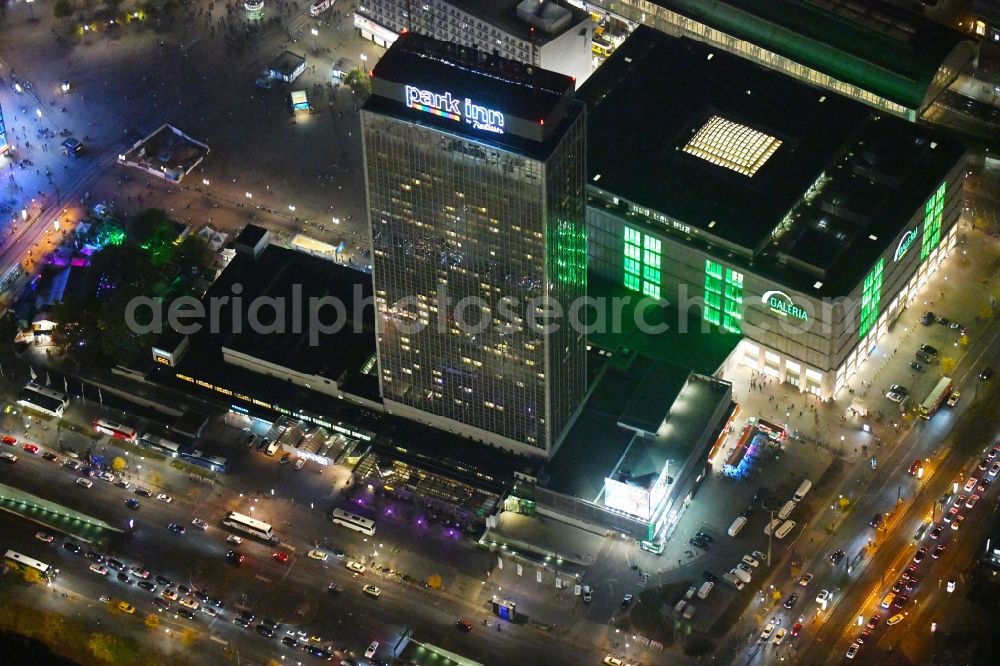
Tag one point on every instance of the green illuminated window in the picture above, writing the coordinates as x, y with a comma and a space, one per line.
723, 296
642, 262
871, 293
571, 253
933, 211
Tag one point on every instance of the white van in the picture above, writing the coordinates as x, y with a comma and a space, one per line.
785, 528
689, 612
705, 588
786, 510
680, 606
771, 526
737, 525
733, 580
272, 448
803, 489
742, 575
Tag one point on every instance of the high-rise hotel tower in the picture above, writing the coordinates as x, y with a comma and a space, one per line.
475, 167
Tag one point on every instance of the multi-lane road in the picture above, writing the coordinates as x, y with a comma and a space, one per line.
295, 593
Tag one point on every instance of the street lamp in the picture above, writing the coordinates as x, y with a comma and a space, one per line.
364, 63
205, 181
315, 34
249, 195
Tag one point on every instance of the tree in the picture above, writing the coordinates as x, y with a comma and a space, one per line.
434, 582
948, 364
62, 9
359, 82
118, 464
153, 621
102, 647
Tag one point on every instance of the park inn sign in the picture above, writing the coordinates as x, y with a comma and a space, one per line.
781, 303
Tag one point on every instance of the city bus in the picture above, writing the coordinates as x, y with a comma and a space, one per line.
353, 521
160, 444
202, 459
320, 6
116, 430
936, 398
16, 560
257, 528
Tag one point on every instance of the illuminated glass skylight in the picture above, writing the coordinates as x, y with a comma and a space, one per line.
732, 145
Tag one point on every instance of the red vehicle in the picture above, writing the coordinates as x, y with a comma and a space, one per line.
915, 467
7, 439
280, 556
796, 628
31, 448
115, 430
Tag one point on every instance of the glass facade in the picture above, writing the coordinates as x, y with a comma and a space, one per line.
471, 241
871, 294
723, 296
933, 211
642, 262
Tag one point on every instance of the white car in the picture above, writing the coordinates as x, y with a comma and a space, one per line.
208, 610
370, 652
995, 469
169, 593
371, 591
318, 555
163, 497
106, 476
895, 397
300, 463
768, 630
853, 650
356, 567
189, 603
198, 522
805, 579
743, 567
751, 561
85, 482
99, 569
42, 536
824, 595
953, 398
779, 636
232, 538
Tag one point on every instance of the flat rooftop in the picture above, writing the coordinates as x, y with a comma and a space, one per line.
689, 416
597, 447
661, 385
503, 14
882, 49
686, 341
286, 276
728, 150
286, 62
533, 95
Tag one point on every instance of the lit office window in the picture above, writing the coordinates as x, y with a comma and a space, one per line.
731, 145
642, 262
723, 296
933, 211
871, 293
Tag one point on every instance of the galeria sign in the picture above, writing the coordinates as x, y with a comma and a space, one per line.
782, 303
447, 105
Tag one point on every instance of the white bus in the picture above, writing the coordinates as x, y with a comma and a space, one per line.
320, 6
354, 522
16, 560
257, 528
115, 430
160, 444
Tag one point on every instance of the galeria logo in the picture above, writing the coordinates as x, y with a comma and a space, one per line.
448, 106
782, 303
